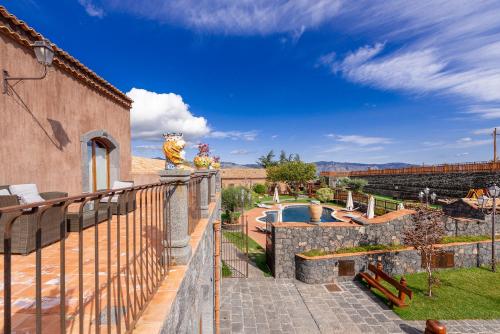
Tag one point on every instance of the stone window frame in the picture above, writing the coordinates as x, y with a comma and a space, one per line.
114, 156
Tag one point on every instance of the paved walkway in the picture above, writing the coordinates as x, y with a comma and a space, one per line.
268, 305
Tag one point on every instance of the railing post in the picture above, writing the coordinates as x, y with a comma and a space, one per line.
212, 184
204, 174
178, 212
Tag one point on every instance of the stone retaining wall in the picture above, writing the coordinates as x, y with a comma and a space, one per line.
325, 269
193, 305
288, 240
454, 185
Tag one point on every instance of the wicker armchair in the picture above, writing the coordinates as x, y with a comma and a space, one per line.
121, 199
23, 233
73, 218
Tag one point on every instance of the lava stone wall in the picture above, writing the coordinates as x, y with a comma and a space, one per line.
407, 186
325, 269
290, 240
194, 303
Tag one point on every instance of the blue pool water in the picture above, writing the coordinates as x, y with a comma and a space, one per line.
298, 213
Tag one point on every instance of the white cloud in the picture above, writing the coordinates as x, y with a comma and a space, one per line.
445, 48
360, 140
485, 112
274, 137
234, 135
241, 152
340, 148
486, 131
91, 8
153, 114
242, 17
148, 147
467, 142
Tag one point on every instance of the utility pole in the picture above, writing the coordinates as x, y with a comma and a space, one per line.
495, 145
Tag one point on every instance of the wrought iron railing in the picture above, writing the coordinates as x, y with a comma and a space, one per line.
210, 190
111, 254
382, 206
194, 202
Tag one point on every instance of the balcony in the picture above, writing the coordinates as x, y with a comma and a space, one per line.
112, 272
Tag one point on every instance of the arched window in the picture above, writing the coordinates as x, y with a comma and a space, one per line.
98, 164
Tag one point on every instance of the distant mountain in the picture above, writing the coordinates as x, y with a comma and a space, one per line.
227, 164
322, 166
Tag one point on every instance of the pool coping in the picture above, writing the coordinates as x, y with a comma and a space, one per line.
334, 209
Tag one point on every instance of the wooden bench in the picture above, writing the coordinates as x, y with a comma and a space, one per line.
374, 282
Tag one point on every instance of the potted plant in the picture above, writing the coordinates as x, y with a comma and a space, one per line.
315, 211
215, 163
202, 160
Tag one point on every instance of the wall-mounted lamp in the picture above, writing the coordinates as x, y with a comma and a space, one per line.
44, 54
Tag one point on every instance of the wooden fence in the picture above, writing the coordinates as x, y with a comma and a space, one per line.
434, 169
382, 206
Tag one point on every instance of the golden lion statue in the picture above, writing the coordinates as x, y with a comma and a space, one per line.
174, 149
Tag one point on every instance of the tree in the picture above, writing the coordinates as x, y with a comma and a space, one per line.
423, 235
283, 157
355, 185
231, 201
266, 160
293, 173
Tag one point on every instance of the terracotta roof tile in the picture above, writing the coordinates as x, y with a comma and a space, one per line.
243, 173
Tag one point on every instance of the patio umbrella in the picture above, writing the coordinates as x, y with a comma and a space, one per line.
370, 212
349, 205
276, 197
401, 206
280, 214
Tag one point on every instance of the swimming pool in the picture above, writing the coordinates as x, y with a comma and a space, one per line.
298, 213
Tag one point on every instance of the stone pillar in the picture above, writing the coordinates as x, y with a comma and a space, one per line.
204, 174
180, 248
212, 185
218, 181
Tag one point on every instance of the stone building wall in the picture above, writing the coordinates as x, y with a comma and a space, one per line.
407, 186
325, 269
289, 239
193, 305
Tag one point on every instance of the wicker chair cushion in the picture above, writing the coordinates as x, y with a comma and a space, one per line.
117, 185
27, 193
122, 184
4, 192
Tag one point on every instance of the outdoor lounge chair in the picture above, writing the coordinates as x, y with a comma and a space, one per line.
120, 199
264, 206
23, 233
73, 218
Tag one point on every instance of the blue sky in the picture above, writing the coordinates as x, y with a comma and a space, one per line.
364, 81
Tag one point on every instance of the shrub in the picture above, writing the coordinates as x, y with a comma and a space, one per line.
324, 194
260, 189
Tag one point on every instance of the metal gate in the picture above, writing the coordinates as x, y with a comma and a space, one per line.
269, 244
234, 248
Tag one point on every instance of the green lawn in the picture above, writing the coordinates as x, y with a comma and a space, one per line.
386, 198
226, 271
256, 253
472, 293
